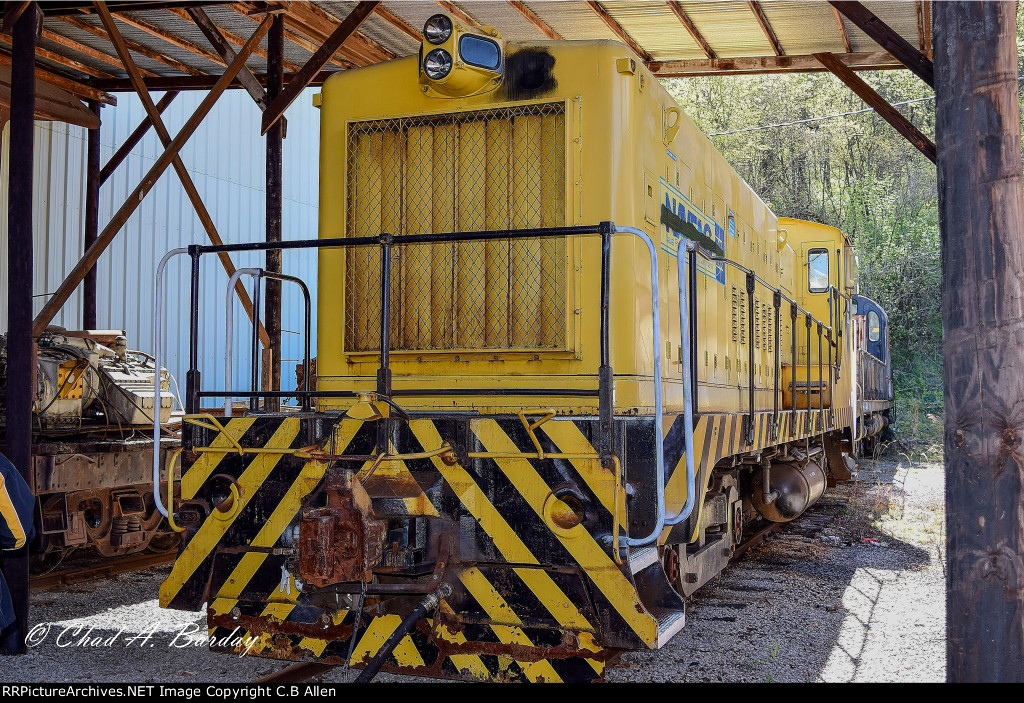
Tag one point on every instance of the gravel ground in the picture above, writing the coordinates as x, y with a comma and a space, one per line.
857, 596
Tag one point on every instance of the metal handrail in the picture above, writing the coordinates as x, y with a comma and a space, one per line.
258, 274
156, 376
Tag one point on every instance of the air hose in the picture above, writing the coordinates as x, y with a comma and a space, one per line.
426, 605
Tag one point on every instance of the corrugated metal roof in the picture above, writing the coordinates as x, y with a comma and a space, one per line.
730, 28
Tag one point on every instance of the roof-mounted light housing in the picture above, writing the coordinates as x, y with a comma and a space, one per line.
457, 60
437, 29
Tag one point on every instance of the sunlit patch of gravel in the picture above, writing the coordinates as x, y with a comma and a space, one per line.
863, 599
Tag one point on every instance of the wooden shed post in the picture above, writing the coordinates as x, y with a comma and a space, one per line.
275, 137
20, 357
981, 216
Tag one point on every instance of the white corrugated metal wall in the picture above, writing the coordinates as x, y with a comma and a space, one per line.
226, 160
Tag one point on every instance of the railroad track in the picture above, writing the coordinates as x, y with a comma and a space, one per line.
296, 673
304, 671
103, 569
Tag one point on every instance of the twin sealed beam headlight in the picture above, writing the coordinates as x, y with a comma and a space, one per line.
437, 29
456, 60
437, 64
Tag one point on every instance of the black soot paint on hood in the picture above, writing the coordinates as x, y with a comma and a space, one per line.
528, 73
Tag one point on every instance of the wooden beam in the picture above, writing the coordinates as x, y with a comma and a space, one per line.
766, 27
319, 25
398, 23
981, 218
886, 111
67, 287
73, 87
13, 12
310, 46
274, 210
52, 103
227, 54
64, 61
680, 68
458, 14
57, 9
306, 74
20, 390
234, 39
617, 30
135, 46
888, 39
170, 38
134, 138
929, 50
165, 138
842, 30
680, 13
121, 85
533, 19
87, 50
298, 40
921, 25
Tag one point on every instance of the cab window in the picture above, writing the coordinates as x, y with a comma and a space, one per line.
874, 327
817, 270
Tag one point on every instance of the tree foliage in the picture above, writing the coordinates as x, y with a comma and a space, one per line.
854, 172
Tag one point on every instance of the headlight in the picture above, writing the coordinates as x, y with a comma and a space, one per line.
437, 29
437, 64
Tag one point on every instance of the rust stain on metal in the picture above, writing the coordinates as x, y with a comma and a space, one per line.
342, 541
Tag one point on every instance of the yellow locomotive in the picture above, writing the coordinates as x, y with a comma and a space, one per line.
564, 356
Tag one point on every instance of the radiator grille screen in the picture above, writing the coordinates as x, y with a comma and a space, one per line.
488, 170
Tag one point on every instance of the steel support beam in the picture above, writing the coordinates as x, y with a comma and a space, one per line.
886, 111
63, 292
317, 61
92, 221
981, 218
275, 139
20, 391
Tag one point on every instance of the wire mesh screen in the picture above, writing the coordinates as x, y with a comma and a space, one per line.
487, 170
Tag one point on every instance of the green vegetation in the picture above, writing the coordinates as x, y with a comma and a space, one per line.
854, 172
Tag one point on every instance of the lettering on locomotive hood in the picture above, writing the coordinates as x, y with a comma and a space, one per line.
679, 218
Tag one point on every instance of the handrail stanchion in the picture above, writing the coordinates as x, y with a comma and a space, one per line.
777, 303
792, 409
384, 370
157, 346
686, 333
749, 434
605, 374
